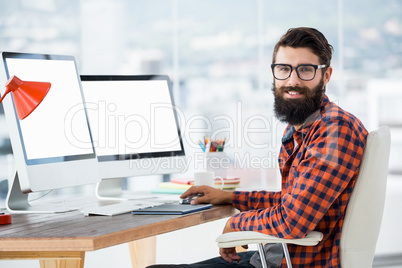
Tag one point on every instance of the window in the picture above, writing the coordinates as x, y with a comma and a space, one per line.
218, 54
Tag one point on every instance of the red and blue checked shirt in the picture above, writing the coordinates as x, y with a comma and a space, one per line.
319, 164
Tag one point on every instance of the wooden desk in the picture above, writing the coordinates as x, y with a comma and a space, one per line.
61, 240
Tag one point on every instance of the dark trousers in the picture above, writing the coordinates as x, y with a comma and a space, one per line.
217, 262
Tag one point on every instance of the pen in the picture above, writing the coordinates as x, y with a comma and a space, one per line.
202, 146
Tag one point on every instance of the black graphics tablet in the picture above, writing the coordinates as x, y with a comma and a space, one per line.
171, 209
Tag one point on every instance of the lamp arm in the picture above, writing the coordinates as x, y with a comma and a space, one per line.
5, 93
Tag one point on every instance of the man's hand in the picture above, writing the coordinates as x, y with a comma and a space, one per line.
230, 254
208, 195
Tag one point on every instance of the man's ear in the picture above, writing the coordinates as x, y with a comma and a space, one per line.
327, 75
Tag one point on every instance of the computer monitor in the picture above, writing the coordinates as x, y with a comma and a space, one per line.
134, 124
53, 146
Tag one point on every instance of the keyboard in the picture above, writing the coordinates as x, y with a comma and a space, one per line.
121, 208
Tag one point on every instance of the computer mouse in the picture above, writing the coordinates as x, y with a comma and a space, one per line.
187, 201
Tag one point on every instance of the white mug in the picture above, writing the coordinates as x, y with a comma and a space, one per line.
206, 178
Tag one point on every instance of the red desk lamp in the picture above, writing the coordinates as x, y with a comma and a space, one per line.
27, 95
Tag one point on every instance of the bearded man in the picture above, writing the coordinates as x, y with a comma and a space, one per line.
319, 161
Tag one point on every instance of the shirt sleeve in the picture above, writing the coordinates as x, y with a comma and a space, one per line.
255, 200
329, 163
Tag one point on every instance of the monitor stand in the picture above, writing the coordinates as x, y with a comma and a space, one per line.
111, 189
17, 202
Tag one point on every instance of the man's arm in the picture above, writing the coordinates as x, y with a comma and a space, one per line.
240, 200
255, 199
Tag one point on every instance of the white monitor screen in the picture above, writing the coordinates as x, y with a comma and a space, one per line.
53, 131
131, 117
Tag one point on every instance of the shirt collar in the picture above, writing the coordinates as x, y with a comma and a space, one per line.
289, 134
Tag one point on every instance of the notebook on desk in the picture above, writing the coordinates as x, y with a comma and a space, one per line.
171, 209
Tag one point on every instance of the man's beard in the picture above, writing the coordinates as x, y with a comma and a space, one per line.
296, 111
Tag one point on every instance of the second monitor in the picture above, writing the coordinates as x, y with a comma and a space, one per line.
135, 128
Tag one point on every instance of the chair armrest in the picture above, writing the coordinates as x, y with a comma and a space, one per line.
235, 239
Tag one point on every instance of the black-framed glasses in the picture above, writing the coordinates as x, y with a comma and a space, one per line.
305, 72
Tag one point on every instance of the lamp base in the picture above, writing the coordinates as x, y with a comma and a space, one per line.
5, 218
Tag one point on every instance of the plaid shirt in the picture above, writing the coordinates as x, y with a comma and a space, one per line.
319, 164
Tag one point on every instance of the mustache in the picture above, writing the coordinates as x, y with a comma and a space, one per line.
301, 90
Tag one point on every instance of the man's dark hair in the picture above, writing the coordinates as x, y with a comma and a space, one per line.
304, 37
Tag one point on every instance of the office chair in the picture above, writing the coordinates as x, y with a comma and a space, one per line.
363, 216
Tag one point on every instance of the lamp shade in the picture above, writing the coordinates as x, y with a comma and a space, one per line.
27, 95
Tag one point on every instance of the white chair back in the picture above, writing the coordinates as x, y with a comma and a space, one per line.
365, 208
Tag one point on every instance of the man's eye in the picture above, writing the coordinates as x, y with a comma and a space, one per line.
306, 69
283, 68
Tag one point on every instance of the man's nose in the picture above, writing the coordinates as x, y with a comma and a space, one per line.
293, 79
